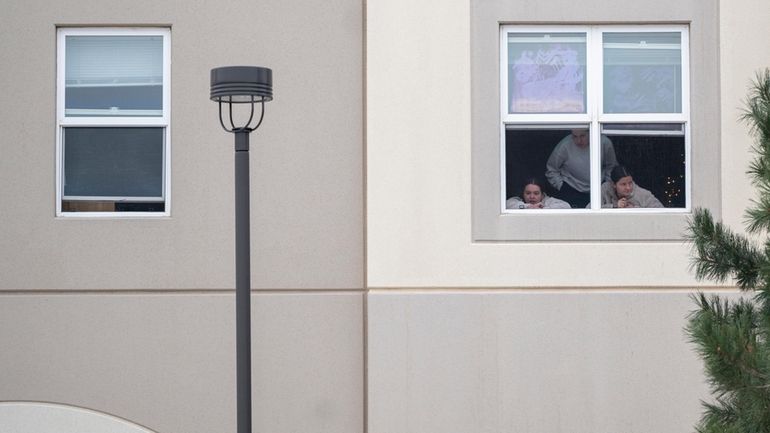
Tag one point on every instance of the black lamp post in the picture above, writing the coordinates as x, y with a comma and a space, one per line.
242, 85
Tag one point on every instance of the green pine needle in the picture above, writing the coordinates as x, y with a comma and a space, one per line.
733, 338
720, 253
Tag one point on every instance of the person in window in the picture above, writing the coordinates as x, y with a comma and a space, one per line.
622, 192
568, 169
535, 198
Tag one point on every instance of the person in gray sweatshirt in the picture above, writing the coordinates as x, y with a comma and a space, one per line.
568, 169
622, 192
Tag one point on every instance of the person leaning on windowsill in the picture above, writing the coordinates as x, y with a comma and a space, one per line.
568, 169
535, 198
621, 192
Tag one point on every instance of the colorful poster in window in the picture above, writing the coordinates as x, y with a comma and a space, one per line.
547, 73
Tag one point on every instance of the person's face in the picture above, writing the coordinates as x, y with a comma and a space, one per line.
580, 138
532, 194
624, 186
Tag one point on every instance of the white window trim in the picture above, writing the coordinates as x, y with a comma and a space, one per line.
594, 116
163, 121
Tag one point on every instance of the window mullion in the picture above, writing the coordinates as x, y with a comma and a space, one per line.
594, 88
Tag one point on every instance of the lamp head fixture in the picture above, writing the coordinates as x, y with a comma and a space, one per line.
241, 85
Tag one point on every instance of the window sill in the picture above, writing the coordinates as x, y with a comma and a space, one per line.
581, 225
112, 215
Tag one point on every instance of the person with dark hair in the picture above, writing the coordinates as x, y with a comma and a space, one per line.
568, 169
621, 191
533, 197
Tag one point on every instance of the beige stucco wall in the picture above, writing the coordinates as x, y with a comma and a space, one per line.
135, 317
167, 362
744, 51
535, 362
419, 153
306, 159
519, 336
419, 160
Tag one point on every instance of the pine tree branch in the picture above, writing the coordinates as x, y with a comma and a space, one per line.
733, 339
757, 116
719, 418
720, 253
757, 112
727, 340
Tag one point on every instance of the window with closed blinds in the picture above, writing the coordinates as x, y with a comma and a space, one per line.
114, 76
113, 121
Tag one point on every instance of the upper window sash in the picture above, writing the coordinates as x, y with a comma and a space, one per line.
659, 53
106, 115
594, 71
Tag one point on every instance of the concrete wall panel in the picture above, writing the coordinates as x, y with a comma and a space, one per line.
167, 362
531, 362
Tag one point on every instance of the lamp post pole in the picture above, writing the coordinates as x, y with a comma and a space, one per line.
242, 85
242, 281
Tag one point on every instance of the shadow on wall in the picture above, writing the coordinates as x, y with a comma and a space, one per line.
37, 417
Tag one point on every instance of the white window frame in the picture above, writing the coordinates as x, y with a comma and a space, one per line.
163, 121
594, 116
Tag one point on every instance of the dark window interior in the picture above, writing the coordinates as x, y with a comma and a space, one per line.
111, 206
112, 161
104, 163
656, 162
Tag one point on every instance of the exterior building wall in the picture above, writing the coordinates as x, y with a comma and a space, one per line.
167, 361
531, 361
419, 174
374, 309
742, 54
306, 158
521, 336
134, 317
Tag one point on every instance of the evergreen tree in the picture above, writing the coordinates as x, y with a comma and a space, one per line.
733, 338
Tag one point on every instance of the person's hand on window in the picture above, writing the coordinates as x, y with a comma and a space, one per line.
624, 203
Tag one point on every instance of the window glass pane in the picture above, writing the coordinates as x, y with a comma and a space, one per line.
114, 76
546, 72
650, 172
559, 157
642, 72
113, 163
